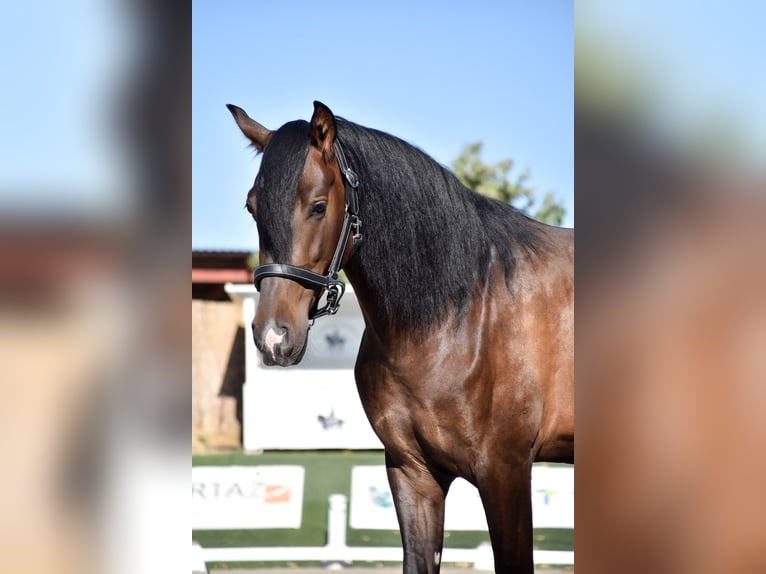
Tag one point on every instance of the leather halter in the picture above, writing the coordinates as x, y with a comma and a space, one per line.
329, 281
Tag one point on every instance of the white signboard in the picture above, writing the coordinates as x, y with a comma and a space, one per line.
242, 497
319, 409
372, 504
553, 496
463, 509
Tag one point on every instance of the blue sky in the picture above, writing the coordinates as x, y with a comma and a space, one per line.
439, 75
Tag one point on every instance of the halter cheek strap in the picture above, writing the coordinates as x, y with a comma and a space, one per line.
329, 281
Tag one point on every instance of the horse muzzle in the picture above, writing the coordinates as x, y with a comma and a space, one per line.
279, 344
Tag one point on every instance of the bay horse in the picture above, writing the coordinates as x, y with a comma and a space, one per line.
466, 365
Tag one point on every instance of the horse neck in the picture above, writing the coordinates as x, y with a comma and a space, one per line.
387, 194
375, 318
428, 241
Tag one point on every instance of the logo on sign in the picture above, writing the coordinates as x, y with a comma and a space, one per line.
381, 497
547, 493
256, 491
330, 421
276, 494
335, 340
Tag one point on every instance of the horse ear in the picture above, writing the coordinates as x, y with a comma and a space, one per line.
254, 131
323, 130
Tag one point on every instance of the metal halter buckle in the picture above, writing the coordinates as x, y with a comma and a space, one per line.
335, 291
356, 227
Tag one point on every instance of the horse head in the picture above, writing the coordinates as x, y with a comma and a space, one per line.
298, 203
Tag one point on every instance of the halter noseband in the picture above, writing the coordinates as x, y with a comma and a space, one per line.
329, 281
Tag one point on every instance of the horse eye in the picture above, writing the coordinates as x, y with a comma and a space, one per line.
319, 208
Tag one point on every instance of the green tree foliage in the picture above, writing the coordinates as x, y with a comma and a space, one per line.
493, 180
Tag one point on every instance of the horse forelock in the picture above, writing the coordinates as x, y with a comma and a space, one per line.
276, 185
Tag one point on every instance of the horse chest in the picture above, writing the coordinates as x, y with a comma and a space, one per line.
419, 422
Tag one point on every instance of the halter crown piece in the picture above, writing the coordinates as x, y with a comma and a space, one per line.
329, 281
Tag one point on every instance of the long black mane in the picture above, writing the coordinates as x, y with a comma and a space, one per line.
428, 242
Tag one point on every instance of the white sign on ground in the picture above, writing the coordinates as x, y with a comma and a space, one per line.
239, 497
306, 409
372, 504
553, 496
